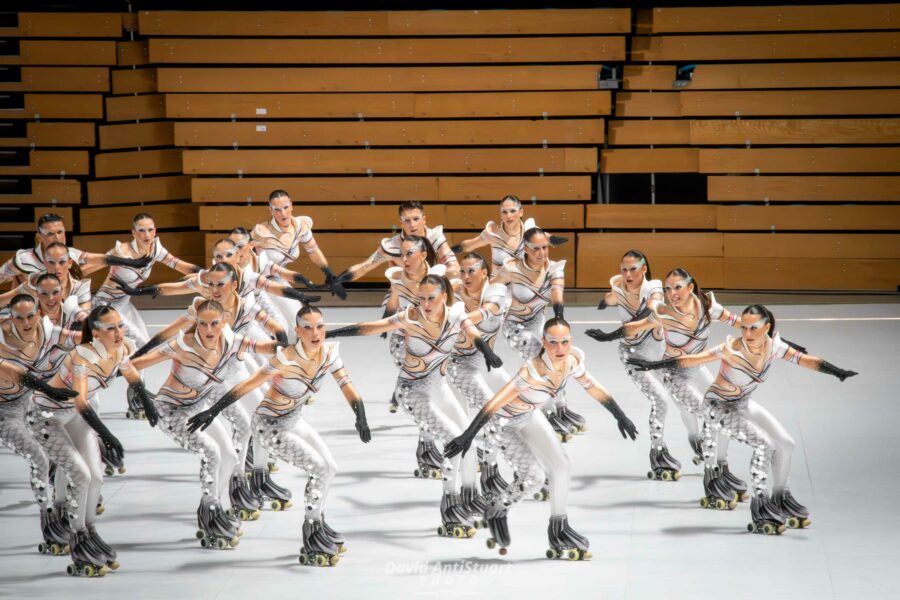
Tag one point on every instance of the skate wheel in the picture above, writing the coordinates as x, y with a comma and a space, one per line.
478, 468
234, 542
204, 542
42, 548
586, 555
199, 534
65, 549
121, 470
491, 543
70, 569
697, 460
503, 551
436, 474
751, 527
442, 530
108, 471
113, 565
704, 502
666, 476
221, 544
304, 558
100, 509
273, 468
458, 532
779, 530
559, 436
583, 428
128, 414
742, 496
88, 570
552, 554
321, 561
768, 529
676, 475
732, 505
341, 549
573, 554
417, 474
286, 504
720, 504
650, 475
470, 532
55, 549
392, 409
334, 560
276, 505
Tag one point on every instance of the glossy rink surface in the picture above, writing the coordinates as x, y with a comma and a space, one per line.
649, 539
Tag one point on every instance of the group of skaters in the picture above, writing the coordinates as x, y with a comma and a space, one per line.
252, 349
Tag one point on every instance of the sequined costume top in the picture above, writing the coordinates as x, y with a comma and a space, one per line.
627, 313
74, 293
42, 357
537, 382
426, 354
684, 337
31, 260
194, 372
295, 381
132, 276
530, 296
243, 312
740, 372
282, 246
490, 324
389, 249
85, 361
505, 246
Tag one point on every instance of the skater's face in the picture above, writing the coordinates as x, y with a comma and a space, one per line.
678, 291
54, 231
754, 329
221, 285
25, 319
282, 210
241, 245
537, 249
224, 252
413, 256
510, 212
557, 342
57, 262
144, 231
633, 270
473, 273
110, 330
311, 332
432, 300
412, 222
210, 323
49, 295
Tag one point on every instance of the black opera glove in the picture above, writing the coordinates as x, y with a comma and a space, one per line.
642, 364
110, 442
29, 381
626, 427
796, 347
829, 369
204, 419
557, 240
148, 290
121, 261
362, 426
335, 283
155, 341
300, 279
146, 400
602, 336
348, 331
602, 304
456, 248
559, 310
281, 338
490, 357
463, 442
295, 294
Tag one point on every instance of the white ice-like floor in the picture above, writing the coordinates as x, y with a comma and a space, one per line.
649, 539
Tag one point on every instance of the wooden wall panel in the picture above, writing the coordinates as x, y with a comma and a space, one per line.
118, 218
143, 190
814, 188
808, 218
645, 216
770, 18
800, 160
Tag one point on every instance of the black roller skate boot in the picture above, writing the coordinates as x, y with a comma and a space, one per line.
718, 494
734, 482
474, 503
663, 466
767, 516
429, 460
214, 530
571, 418
797, 514
87, 560
56, 537
269, 492
492, 483
135, 409
102, 547
244, 504
565, 542
318, 549
496, 520
335, 536
562, 430
697, 446
456, 520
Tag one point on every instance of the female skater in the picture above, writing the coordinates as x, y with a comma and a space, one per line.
31, 348
295, 373
728, 408
514, 420
534, 282
68, 430
636, 293
56, 261
685, 319
203, 358
432, 328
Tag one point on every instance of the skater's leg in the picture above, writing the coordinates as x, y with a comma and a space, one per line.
446, 403
86, 443
15, 435
50, 432
539, 436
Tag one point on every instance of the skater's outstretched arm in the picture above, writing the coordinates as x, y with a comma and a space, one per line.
94, 262
682, 362
823, 366
285, 291
83, 406
472, 336
628, 330
175, 288
285, 273
557, 287
168, 332
507, 394
356, 404
469, 245
15, 372
368, 328
272, 326
204, 419
602, 395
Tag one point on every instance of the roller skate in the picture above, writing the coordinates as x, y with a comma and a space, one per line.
565, 542
214, 530
719, 495
393, 406
429, 460
310, 400
496, 520
797, 514
102, 548
492, 483
571, 418
562, 430
135, 409
99, 509
662, 465
767, 517
543, 494
474, 503
111, 465
272, 466
87, 561
318, 549
243, 503
56, 538
697, 446
457, 522
336, 537
267, 491
734, 482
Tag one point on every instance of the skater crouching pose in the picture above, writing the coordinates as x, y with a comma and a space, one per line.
201, 359
432, 329
68, 430
516, 422
729, 409
296, 372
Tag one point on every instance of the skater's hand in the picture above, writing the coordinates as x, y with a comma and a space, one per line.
201, 420
456, 248
134, 263
640, 364
601, 305
54, 393
846, 374
490, 357
626, 427
146, 400
295, 294
150, 290
113, 448
557, 240
298, 278
458, 445
335, 282
362, 426
602, 336
281, 338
